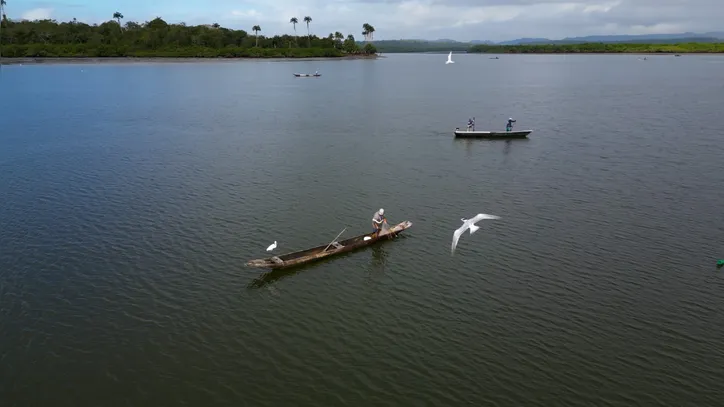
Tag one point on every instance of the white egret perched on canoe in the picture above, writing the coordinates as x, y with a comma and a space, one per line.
449, 59
272, 246
469, 224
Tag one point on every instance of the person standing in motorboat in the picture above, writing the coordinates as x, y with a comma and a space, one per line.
509, 126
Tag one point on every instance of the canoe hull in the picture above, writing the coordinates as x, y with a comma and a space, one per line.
306, 75
319, 252
492, 134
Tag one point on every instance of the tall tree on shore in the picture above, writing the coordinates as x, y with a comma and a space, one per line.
368, 31
256, 30
3, 20
118, 16
294, 22
308, 20
350, 45
338, 38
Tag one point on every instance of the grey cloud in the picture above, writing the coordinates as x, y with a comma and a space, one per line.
684, 15
55, 4
684, 4
690, 15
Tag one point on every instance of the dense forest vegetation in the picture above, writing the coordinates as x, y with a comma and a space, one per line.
600, 47
401, 46
638, 46
157, 38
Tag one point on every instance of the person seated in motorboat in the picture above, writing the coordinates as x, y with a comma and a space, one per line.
378, 219
509, 126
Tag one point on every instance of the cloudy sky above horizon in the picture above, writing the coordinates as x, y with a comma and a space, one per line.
462, 20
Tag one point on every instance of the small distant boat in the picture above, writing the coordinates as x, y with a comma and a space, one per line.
307, 75
491, 134
324, 251
495, 58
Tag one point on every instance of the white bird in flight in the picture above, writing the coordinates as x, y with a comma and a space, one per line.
449, 59
469, 224
272, 246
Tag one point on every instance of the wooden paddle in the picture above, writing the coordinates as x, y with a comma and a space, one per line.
333, 240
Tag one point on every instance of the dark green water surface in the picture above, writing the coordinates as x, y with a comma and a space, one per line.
133, 194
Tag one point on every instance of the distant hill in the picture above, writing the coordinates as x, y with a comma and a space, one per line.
525, 41
446, 45
652, 38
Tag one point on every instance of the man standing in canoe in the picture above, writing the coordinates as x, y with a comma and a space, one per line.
378, 219
509, 126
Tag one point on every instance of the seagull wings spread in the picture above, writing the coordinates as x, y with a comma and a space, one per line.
469, 224
482, 216
456, 236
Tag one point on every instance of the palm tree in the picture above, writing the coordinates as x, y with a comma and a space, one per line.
256, 30
294, 22
118, 16
367, 31
308, 20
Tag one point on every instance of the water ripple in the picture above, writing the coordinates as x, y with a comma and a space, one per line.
127, 220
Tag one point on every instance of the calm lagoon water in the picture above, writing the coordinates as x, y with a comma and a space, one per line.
133, 194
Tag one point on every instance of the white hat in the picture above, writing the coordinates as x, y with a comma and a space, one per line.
510, 118
382, 211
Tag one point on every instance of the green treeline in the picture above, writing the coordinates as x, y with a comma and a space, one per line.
600, 47
411, 46
653, 46
156, 38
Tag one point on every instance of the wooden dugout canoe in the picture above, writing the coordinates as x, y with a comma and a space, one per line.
319, 252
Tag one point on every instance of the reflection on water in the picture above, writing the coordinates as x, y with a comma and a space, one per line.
379, 258
469, 143
266, 278
377, 269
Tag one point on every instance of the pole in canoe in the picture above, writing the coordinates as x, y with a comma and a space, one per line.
334, 240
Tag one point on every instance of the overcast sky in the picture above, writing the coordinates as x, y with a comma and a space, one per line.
463, 20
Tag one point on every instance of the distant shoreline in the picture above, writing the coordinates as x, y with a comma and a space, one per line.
663, 54
130, 60
554, 53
